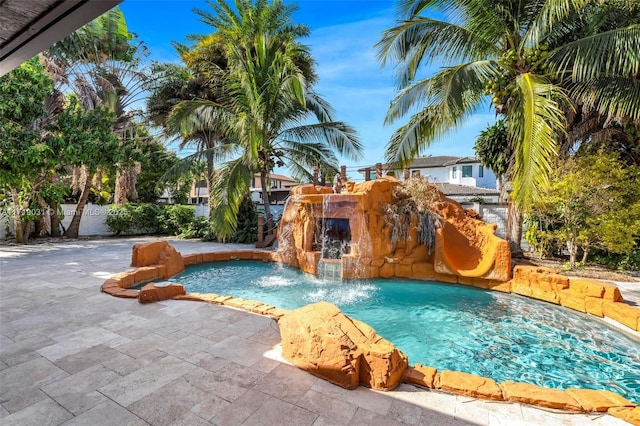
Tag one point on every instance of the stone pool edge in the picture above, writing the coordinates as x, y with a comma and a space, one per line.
538, 283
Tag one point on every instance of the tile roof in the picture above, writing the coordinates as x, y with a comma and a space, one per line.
453, 189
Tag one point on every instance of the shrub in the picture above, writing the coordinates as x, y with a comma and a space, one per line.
147, 218
247, 230
199, 228
176, 219
120, 219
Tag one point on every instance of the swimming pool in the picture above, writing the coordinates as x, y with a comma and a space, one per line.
451, 327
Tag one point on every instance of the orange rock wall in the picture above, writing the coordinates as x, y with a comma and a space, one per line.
320, 339
465, 246
583, 295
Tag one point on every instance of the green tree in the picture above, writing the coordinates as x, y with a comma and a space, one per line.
84, 139
25, 158
102, 64
592, 202
266, 93
548, 65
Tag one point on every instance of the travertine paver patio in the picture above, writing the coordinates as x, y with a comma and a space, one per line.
72, 355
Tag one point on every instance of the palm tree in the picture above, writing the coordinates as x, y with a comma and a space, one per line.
172, 84
547, 64
266, 99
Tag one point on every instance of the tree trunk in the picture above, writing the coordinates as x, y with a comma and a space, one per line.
585, 254
572, 247
74, 226
514, 229
17, 221
210, 173
55, 220
265, 201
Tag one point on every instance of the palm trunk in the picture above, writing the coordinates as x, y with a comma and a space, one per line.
74, 226
210, 173
265, 201
514, 229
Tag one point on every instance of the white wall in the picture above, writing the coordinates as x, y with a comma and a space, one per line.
93, 220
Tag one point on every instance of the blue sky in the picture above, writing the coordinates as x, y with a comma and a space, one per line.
343, 34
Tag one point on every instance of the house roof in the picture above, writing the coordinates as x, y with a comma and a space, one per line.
29, 27
430, 161
453, 189
279, 177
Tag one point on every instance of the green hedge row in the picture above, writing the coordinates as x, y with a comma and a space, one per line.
147, 218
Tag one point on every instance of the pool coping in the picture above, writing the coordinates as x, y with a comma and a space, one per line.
460, 383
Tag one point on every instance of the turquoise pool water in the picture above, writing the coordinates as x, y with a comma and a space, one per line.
451, 327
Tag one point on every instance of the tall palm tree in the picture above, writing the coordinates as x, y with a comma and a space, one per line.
544, 62
265, 102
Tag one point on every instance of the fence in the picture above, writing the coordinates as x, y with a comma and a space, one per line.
94, 216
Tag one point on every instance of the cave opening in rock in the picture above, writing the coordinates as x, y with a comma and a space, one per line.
332, 237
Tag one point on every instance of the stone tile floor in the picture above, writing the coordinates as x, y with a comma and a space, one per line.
74, 356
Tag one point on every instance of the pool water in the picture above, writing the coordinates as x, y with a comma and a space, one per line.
451, 327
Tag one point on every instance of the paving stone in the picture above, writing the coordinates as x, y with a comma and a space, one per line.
140, 383
28, 376
80, 340
208, 361
364, 417
168, 403
250, 325
23, 400
189, 419
471, 410
239, 350
78, 392
361, 397
99, 354
287, 383
139, 347
405, 412
22, 351
188, 346
44, 413
275, 411
209, 382
332, 411
243, 407
210, 407
268, 335
107, 414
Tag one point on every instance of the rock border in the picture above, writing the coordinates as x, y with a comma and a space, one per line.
583, 295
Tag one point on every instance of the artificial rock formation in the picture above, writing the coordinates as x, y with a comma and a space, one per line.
158, 253
465, 246
320, 339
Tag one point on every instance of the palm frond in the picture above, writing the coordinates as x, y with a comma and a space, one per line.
608, 53
550, 14
336, 134
422, 40
612, 97
230, 185
536, 121
451, 86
